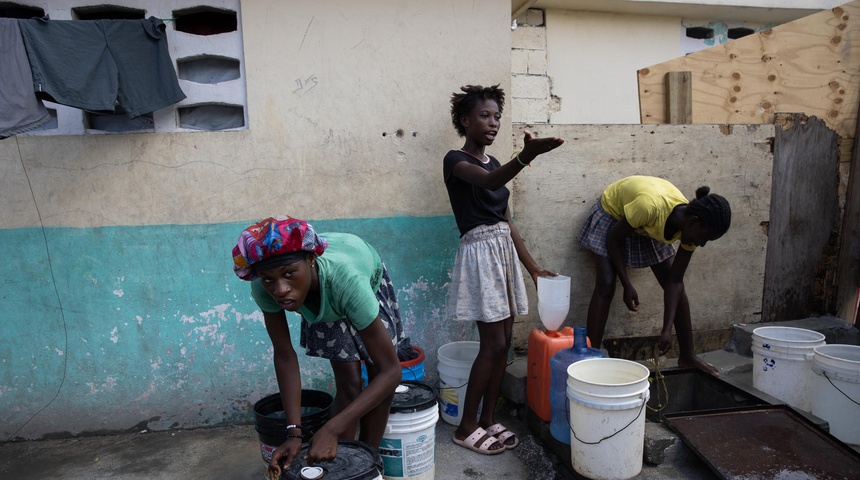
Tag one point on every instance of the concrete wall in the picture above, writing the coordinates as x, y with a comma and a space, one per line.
120, 310
724, 280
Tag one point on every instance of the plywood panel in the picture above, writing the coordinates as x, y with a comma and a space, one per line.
724, 281
808, 66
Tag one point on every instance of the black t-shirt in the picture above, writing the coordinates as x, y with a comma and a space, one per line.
473, 206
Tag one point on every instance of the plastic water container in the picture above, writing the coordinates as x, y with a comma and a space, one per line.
408, 447
410, 370
553, 300
782, 363
559, 425
455, 361
541, 347
836, 390
607, 398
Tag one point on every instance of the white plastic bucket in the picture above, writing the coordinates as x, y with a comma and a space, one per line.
607, 398
836, 390
455, 361
408, 447
782, 363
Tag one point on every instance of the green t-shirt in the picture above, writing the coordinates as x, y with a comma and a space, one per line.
350, 272
646, 203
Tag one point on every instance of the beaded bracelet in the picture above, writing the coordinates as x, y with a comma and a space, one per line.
291, 435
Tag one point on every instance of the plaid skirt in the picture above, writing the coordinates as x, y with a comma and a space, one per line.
640, 251
487, 280
340, 341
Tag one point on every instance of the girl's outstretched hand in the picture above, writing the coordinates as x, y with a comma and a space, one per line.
534, 146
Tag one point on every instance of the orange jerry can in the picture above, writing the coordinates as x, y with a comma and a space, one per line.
542, 346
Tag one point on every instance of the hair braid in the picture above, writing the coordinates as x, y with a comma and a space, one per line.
713, 211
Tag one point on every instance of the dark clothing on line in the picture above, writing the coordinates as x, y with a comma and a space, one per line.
20, 110
97, 65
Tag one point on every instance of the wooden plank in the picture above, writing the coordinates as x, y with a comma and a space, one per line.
804, 213
551, 200
848, 276
809, 66
679, 97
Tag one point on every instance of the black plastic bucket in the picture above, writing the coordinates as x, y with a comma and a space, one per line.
354, 461
270, 421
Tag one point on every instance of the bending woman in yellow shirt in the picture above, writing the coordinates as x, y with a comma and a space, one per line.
634, 224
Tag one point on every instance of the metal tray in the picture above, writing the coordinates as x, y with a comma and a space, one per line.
765, 443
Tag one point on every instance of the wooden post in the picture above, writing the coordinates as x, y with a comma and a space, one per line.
804, 212
679, 97
848, 266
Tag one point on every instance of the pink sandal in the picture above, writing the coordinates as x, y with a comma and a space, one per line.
471, 442
503, 434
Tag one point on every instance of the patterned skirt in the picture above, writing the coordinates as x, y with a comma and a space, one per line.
640, 251
487, 280
340, 341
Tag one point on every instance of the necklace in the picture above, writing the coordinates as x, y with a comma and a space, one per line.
486, 157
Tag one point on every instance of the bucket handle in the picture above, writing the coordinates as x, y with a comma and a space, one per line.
567, 411
439, 386
838, 389
412, 372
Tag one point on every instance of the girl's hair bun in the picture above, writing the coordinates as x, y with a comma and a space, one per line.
703, 191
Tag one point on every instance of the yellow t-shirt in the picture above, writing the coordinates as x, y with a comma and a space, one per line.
646, 203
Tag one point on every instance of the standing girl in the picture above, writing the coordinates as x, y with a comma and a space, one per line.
486, 282
634, 224
349, 313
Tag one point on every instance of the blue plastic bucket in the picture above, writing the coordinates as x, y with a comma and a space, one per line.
411, 370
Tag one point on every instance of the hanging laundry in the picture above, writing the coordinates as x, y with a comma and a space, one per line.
20, 110
102, 66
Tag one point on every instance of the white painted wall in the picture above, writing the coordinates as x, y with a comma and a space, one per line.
750, 10
592, 60
593, 50
329, 86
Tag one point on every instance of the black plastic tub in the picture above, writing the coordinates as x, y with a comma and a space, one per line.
270, 421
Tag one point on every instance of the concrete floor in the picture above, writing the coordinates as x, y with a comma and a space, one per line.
234, 452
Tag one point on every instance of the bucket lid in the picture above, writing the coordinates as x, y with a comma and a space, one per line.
354, 461
413, 397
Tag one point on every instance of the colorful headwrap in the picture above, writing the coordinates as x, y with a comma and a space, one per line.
274, 237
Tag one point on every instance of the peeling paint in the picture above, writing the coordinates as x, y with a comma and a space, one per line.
208, 340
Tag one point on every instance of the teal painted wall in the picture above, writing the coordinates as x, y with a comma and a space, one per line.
132, 328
